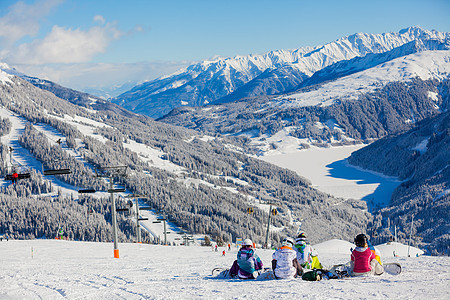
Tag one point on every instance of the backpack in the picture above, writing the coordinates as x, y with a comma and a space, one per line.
313, 275
246, 261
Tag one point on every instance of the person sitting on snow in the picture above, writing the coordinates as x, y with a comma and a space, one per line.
363, 259
284, 261
306, 255
248, 262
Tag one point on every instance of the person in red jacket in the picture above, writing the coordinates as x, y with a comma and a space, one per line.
363, 261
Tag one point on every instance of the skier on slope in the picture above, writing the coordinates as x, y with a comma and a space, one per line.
248, 262
284, 261
363, 259
306, 255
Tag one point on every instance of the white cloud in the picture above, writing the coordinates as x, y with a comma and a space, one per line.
102, 79
100, 19
23, 20
63, 45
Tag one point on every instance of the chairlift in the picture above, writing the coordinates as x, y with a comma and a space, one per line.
145, 208
274, 211
86, 191
120, 190
57, 172
15, 175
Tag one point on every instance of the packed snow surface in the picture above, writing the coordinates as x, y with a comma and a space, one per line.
53, 269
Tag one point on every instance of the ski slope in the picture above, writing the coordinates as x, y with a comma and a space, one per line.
54, 269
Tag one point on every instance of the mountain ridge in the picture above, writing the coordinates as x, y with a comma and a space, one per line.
207, 81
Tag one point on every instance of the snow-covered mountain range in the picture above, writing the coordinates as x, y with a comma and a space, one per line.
276, 72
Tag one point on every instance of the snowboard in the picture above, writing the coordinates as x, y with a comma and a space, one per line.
344, 270
392, 268
224, 273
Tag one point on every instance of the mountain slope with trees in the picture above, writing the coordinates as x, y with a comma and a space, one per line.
209, 192
421, 158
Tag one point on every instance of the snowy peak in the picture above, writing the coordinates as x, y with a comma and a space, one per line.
426, 65
211, 80
357, 64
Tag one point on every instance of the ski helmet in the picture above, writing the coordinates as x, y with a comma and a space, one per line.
287, 242
247, 242
361, 240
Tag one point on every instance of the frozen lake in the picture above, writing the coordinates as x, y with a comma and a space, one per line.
329, 172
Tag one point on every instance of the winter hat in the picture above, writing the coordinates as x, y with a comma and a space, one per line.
361, 240
301, 238
287, 242
301, 235
247, 242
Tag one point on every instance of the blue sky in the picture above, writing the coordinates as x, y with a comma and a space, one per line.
68, 40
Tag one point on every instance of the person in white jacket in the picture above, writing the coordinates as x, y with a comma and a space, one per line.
284, 261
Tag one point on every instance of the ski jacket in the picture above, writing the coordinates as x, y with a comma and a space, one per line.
284, 257
361, 258
247, 262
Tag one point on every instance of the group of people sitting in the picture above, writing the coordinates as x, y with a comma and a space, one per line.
293, 259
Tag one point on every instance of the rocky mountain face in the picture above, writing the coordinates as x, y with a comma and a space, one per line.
272, 73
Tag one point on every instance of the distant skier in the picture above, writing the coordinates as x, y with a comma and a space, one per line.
215, 248
229, 247
60, 233
248, 262
363, 259
284, 261
223, 253
306, 255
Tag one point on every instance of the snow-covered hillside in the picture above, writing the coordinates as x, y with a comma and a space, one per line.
53, 269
